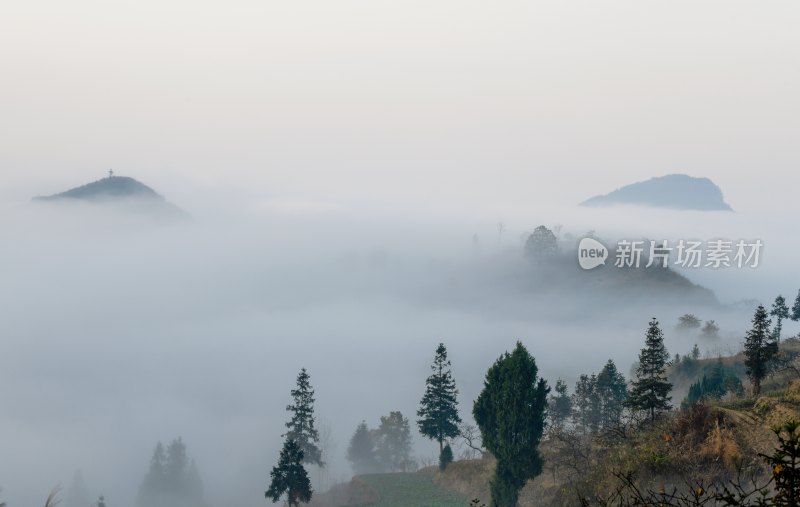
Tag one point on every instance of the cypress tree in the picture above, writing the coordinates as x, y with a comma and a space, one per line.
510, 413
760, 347
301, 426
438, 410
650, 390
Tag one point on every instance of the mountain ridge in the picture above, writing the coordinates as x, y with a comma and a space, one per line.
673, 191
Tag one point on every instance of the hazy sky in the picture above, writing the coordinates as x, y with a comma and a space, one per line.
437, 105
362, 143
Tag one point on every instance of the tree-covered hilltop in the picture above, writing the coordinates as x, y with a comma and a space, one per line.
550, 266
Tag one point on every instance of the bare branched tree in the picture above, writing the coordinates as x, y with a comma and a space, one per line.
52, 499
470, 439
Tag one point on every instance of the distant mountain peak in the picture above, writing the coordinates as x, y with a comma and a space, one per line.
673, 191
111, 187
115, 189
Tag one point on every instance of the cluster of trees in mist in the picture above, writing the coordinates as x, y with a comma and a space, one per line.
172, 480
513, 413
388, 447
516, 407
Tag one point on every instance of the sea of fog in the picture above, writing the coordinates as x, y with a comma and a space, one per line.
117, 332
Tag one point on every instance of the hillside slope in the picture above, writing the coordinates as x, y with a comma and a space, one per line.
709, 443
392, 490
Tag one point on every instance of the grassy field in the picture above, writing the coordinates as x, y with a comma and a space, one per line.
410, 490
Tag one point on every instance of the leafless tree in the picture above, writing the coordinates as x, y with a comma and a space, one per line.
470, 441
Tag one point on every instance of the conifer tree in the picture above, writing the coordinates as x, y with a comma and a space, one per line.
583, 404
785, 464
716, 382
612, 391
176, 462
650, 391
289, 477
780, 311
361, 451
445, 457
796, 308
760, 347
154, 484
438, 410
173, 479
301, 426
595, 405
559, 405
510, 413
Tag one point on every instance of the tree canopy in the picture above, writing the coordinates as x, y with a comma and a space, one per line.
510, 413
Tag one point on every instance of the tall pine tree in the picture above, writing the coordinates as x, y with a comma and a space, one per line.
795, 316
301, 426
650, 391
780, 311
612, 391
289, 477
438, 409
760, 347
510, 412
